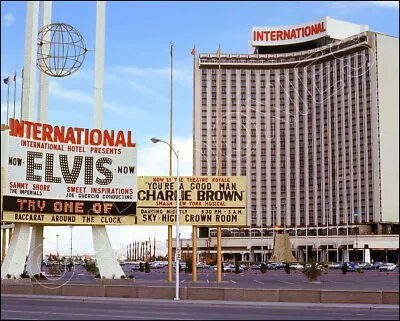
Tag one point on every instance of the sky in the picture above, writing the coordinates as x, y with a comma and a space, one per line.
137, 74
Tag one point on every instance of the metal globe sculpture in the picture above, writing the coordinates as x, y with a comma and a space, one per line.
61, 50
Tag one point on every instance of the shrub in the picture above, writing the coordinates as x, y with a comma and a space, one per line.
131, 276
98, 276
123, 277
40, 276
237, 268
345, 268
91, 267
24, 275
70, 266
263, 268
8, 276
141, 267
147, 267
313, 271
287, 268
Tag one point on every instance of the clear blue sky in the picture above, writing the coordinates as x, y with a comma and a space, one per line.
137, 67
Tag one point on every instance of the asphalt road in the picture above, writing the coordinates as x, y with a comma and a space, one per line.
75, 308
273, 279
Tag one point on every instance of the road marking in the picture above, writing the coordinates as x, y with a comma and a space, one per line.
183, 280
208, 281
233, 281
258, 282
285, 282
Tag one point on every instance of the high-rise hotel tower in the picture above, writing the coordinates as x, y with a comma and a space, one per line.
311, 118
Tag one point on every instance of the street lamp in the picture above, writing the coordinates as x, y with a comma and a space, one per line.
57, 246
70, 258
177, 252
355, 215
41, 265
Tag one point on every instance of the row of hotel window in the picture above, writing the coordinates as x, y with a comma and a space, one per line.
357, 59
312, 92
293, 80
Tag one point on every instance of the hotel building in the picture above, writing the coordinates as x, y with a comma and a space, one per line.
311, 117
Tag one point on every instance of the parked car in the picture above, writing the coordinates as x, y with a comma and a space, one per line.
135, 267
364, 266
246, 267
273, 266
256, 266
156, 265
352, 267
296, 266
334, 265
202, 265
376, 265
182, 264
227, 267
387, 267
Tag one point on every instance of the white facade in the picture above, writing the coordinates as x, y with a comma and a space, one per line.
387, 49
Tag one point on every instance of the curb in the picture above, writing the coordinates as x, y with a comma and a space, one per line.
209, 302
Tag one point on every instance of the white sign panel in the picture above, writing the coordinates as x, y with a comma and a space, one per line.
286, 35
56, 162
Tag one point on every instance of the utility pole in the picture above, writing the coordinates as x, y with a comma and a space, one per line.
154, 248
71, 244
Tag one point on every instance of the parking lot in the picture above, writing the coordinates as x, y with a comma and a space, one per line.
331, 279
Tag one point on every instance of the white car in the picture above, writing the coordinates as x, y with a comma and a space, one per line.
387, 267
296, 266
334, 265
226, 267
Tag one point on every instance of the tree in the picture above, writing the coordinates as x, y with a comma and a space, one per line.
263, 268
237, 268
189, 264
287, 268
345, 268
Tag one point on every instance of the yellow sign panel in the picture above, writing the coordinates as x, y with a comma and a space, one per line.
65, 219
203, 200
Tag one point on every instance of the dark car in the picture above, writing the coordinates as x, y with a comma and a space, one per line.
376, 265
352, 267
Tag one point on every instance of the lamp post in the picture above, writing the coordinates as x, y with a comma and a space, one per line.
41, 265
71, 245
356, 219
273, 223
327, 229
177, 252
57, 248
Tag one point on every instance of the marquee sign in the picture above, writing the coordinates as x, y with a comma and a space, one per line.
204, 200
54, 170
285, 35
